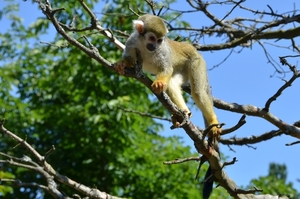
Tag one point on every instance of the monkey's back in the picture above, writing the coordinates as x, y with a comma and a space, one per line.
185, 50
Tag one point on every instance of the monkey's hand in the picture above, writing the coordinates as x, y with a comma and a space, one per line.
160, 83
158, 86
121, 65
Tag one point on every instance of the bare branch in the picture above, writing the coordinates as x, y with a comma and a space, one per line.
251, 139
259, 112
240, 123
269, 57
144, 114
178, 161
243, 31
19, 183
296, 74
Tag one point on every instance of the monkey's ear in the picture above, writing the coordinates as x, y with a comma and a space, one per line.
139, 26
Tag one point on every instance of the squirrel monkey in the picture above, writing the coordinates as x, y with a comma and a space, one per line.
174, 64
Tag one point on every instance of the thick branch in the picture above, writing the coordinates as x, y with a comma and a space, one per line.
251, 139
287, 129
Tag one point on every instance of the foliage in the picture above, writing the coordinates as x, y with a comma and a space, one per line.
275, 182
4, 189
53, 94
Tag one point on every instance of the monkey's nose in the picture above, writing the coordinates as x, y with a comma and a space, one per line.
151, 47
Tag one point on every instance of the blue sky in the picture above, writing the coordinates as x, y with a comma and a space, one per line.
245, 78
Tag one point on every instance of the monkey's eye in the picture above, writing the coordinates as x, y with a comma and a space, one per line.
159, 41
152, 38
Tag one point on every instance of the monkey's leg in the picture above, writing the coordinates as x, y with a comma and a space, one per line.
175, 93
202, 95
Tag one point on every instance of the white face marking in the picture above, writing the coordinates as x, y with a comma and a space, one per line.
152, 42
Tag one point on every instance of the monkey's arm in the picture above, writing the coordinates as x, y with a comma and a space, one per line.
128, 60
162, 79
129, 56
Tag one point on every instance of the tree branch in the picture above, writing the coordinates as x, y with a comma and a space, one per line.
251, 110
47, 171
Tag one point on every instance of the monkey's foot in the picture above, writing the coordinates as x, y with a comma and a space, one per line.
175, 121
159, 86
215, 132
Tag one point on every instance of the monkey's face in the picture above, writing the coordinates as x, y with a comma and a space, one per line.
152, 42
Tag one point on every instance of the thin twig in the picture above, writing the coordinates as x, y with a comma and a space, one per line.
144, 114
178, 161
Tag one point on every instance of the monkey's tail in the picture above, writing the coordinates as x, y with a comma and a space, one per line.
208, 184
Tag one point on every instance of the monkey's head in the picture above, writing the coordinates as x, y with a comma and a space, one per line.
152, 29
